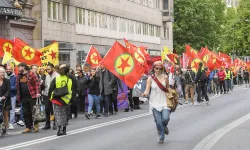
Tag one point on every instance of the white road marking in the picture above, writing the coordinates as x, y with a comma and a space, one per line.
208, 142
50, 138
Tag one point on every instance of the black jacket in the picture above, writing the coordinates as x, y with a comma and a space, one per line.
5, 91
82, 85
93, 85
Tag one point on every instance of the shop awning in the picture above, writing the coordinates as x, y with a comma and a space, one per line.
7, 9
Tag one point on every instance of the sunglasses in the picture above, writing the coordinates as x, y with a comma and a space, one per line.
156, 68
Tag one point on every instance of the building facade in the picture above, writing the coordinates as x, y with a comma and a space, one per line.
78, 24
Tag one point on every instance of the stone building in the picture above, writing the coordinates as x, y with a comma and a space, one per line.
78, 24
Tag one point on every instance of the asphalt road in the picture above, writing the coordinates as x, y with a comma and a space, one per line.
189, 126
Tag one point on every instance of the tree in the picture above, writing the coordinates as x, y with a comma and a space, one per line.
236, 32
198, 23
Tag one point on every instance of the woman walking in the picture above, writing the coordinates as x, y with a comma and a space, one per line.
5, 96
158, 102
60, 92
94, 96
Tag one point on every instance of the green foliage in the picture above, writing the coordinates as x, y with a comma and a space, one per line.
236, 37
198, 23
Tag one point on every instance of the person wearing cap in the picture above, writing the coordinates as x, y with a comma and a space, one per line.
60, 103
228, 79
201, 80
28, 90
189, 88
158, 102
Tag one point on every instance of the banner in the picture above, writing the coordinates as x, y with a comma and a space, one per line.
140, 87
50, 54
122, 98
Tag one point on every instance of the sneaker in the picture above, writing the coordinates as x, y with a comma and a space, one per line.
160, 141
197, 104
98, 117
87, 116
166, 131
27, 130
207, 102
186, 102
36, 127
20, 123
11, 126
115, 112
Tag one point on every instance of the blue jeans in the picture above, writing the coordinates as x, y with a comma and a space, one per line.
21, 113
94, 99
161, 119
12, 111
228, 84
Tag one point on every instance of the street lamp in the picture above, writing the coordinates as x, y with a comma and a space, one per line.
235, 52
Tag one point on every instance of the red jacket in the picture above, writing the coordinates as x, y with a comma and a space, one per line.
33, 85
222, 75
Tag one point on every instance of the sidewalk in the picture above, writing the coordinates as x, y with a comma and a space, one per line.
236, 139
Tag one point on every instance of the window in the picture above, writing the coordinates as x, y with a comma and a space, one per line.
92, 18
80, 16
145, 29
53, 10
138, 28
65, 12
157, 4
103, 18
165, 4
122, 25
113, 22
158, 33
131, 27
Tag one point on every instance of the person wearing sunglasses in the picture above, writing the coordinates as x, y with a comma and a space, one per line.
157, 99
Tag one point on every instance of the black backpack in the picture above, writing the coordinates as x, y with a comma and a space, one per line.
203, 76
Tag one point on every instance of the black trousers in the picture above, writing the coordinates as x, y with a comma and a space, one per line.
113, 104
73, 107
136, 102
222, 85
130, 99
82, 103
202, 90
28, 104
48, 108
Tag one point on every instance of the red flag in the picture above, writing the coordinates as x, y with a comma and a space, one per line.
121, 63
22, 52
5, 46
194, 58
137, 54
173, 57
93, 58
225, 58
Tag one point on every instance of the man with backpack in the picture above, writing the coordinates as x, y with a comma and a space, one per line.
189, 88
201, 80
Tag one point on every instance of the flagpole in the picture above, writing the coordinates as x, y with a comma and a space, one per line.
86, 56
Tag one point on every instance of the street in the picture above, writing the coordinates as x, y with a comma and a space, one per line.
191, 128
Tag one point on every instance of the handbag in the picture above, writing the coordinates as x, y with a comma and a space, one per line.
38, 113
172, 96
62, 91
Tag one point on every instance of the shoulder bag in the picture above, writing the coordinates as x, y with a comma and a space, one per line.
38, 113
62, 91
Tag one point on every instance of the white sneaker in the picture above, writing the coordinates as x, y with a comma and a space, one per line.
197, 104
207, 102
20, 123
186, 102
11, 126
